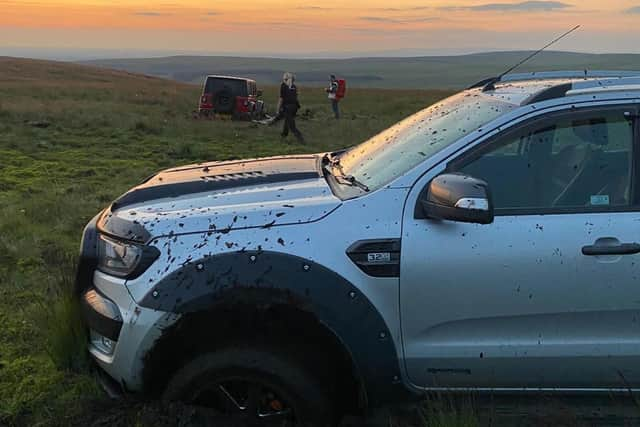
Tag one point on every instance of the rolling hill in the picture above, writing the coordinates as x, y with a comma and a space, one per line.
448, 72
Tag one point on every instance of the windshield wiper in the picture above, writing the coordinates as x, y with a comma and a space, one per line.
334, 164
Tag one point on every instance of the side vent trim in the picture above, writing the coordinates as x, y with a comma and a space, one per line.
376, 257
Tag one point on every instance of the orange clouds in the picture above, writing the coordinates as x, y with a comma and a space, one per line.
354, 23
371, 14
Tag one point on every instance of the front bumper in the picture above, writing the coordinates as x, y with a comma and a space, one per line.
101, 314
121, 332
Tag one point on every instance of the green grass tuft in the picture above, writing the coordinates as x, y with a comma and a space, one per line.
59, 318
445, 410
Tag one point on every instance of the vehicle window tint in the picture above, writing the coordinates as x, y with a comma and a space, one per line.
580, 161
235, 87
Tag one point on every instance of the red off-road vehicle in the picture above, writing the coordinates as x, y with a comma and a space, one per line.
233, 96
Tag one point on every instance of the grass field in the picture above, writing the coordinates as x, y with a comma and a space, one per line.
72, 138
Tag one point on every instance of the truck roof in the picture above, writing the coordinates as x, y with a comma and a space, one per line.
528, 88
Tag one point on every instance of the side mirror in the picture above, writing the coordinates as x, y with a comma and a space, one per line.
457, 197
259, 92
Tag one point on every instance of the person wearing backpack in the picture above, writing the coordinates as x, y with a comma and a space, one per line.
332, 92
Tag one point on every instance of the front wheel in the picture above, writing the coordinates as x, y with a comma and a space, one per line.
261, 386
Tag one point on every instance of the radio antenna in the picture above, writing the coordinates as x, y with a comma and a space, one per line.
536, 53
488, 84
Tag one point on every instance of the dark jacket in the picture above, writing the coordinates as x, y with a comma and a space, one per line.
289, 96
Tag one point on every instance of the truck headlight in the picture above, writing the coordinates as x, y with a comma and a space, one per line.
124, 259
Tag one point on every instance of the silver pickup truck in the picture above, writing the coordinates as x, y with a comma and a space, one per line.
488, 242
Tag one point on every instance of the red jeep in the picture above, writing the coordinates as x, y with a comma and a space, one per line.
234, 96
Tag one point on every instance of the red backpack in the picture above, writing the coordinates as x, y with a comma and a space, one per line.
342, 88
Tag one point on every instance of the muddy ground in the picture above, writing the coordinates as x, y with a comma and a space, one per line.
494, 411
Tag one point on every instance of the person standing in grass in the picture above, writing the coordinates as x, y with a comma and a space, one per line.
289, 105
332, 92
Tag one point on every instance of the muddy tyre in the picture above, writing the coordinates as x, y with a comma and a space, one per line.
260, 387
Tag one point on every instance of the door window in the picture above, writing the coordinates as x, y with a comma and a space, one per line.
579, 161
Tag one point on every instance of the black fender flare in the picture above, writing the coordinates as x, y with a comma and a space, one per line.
88, 260
255, 276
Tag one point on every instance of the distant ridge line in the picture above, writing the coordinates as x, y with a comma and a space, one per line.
419, 72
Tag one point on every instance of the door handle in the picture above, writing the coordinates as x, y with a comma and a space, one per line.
620, 249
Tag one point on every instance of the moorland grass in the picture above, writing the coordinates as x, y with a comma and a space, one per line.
107, 131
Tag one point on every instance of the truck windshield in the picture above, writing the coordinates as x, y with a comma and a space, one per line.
403, 146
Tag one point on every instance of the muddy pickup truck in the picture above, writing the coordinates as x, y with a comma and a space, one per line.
489, 242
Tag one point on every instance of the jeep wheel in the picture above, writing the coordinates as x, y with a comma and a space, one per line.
261, 387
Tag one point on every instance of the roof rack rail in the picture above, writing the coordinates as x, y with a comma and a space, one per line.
553, 92
605, 85
590, 86
548, 75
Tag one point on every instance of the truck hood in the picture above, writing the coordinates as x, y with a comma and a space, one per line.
219, 197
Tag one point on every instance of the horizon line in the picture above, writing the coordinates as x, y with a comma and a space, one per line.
96, 54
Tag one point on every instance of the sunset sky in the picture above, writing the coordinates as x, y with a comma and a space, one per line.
297, 28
